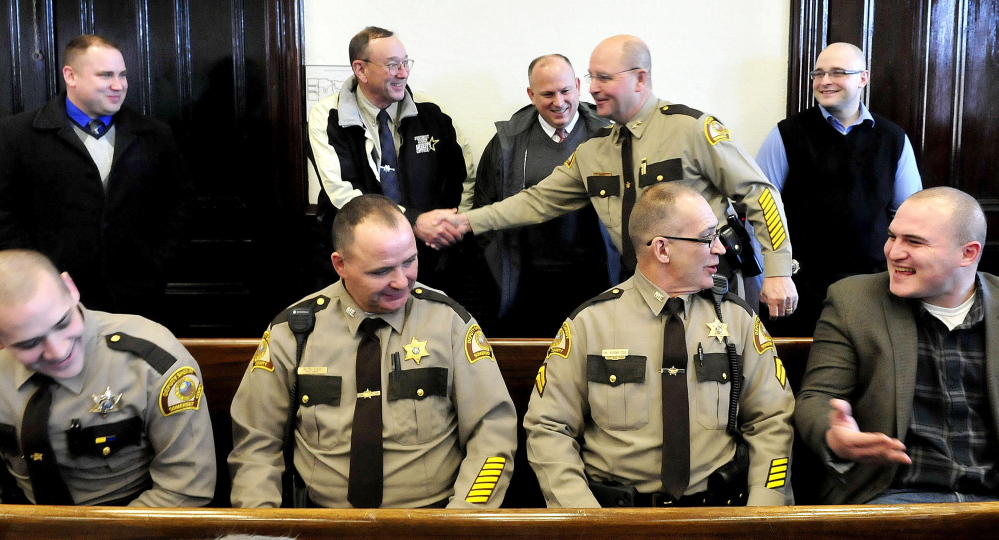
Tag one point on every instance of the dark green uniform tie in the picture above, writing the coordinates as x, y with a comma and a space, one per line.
365, 479
676, 413
43, 469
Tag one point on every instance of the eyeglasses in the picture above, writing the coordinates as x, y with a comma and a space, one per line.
707, 240
393, 67
605, 78
833, 73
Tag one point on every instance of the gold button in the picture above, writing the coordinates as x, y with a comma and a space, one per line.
418, 290
613, 378
305, 399
106, 451
615, 291
659, 178
665, 107
419, 392
115, 338
320, 301
603, 192
724, 375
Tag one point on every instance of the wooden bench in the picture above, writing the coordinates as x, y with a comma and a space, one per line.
223, 362
911, 522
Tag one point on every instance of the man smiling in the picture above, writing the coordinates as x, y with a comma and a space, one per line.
94, 185
842, 172
124, 420
899, 395
397, 399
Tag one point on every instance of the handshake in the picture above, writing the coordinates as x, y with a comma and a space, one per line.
441, 228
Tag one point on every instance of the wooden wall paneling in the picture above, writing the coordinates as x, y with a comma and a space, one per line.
29, 54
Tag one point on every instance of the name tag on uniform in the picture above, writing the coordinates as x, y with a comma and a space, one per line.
316, 370
614, 354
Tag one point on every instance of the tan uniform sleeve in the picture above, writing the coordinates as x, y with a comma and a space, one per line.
736, 175
555, 418
487, 421
766, 406
183, 469
562, 192
259, 412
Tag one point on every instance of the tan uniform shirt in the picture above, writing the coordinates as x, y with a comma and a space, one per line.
586, 419
160, 386
453, 437
668, 145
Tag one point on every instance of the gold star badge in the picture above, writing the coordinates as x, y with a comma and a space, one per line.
416, 350
433, 143
718, 329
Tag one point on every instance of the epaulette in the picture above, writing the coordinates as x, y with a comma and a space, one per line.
616, 292
677, 108
730, 297
603, 132
316, 303
427, 294
152, 353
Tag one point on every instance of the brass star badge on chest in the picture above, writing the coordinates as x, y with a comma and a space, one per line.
105, 403
416, 350
717, 329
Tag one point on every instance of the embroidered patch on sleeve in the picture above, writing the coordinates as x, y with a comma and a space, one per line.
774, 224
562, 343
761, 338
541, 379
262, 356
181, 391
477, 346
572, 159
778, 473
779, 372
715, 132
485, 482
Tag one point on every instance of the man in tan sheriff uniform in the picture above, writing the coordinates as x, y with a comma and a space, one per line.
670, 142
597, 412
127, 422
448, 431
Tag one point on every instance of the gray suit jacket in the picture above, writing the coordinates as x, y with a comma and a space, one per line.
864, 351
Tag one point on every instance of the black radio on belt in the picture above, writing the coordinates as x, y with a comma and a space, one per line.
739, 251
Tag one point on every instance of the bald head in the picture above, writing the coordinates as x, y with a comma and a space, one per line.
966, 218
846, 55
22, 272
631, 50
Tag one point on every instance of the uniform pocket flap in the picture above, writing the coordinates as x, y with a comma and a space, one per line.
319, 390
630, 369
661, 171
417, 383
104, 439
603, 186
714, 368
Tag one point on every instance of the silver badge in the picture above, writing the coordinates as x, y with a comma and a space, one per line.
105, 403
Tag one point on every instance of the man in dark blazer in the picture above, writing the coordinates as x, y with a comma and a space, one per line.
900, 395
96, 186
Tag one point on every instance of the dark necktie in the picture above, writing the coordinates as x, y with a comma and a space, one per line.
43, 468
364, 484
628, 200
389, 175
96, 128
676, 416
561, 134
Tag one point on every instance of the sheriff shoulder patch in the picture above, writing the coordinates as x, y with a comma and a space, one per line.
542, 379
262, 356
477, 346
562, 343
715, 132
761, 338
772, 216
778, 473
485, 483
181, 391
